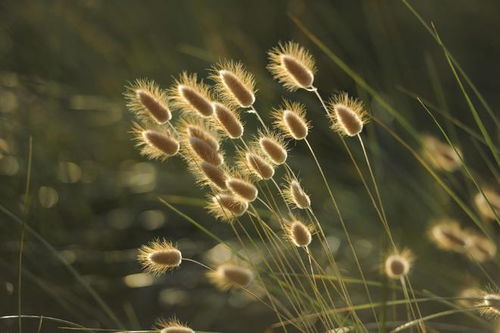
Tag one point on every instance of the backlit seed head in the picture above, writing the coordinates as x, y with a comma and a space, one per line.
490, 208
250, 161
480, 248
203, 151
299, 233
440, 155
234, 83
295, 195
291, 120
228, 121
229, 275
491, 302
155, 143
242, 188
172, 326
159, 256
209, 174
447, 234
398, 265
227, 207
201, 142
347, 115
292, 66
148, 101
273, 147
192, 96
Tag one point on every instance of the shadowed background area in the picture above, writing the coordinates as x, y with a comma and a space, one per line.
63, 69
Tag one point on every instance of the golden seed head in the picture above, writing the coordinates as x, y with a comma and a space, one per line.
488, 204
242, 188
227, 207
492, 305
203, 151
347, 115
229, 275
155, 143
234, 83
215, 174
398, 265
148, 101
274, 148
440, 155
299, 234
447, 234
295, 195
192, 96
228, 121
250, 160
292, 66
202, 134
290, 119
172, 326
159, 256
480, 248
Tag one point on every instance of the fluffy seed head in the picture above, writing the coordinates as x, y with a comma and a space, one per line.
274, 147
242, 188
250, 160
299, 234
480, 248
192, 96
228, 121
155, 143
398, 265
148, 101
295, 195
234, 83
440, 155
347, 115
491, 210
447, 234
172, 326
198, 131
492, 304
292, 66
159, 256
291, 120
204, 151
229, 275
209, 174
227, 207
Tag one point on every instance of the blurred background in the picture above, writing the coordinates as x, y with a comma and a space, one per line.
63, 68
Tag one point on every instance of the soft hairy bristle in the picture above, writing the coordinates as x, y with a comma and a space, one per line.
234, 83
440, 155
447, 234
172, 326
215, 174
480, 248
227, 207
229, 275
296, 195
202, 134
242, 188
347, 115
159, 256
205, 151
398, 265
228, 121
488, 204
290, 119
192, 96
274, 148
258, 165
492, 305
299, 234
155, 143
292, 66
148, 101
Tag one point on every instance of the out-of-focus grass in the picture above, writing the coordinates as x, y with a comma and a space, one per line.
64, 65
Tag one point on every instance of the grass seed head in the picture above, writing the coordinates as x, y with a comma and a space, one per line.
205, 152
209, 174
290, 119
480, 248
156, 143
447, 235
274, 147
159, 256
234, 83
227, 276
172, 326
347, 115
491, 210
398, 265
148, 101
242, 188
299, 233
192, 96
292, 66
227, 207
295, 195
492, 305
441, 155
228, 121
256, 164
